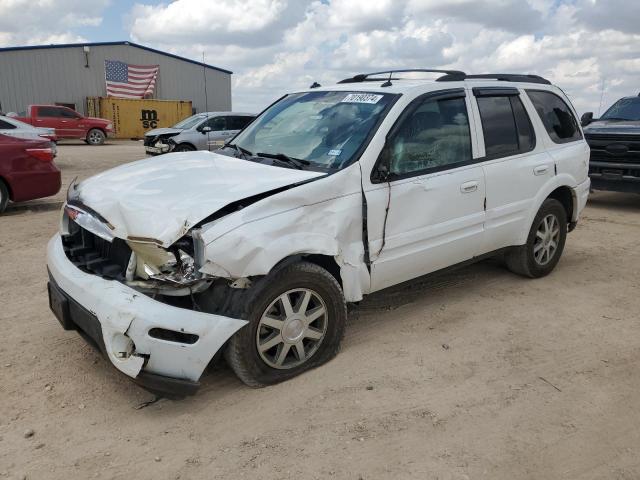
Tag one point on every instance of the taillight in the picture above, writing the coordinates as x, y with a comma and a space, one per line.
42, 154
49, 136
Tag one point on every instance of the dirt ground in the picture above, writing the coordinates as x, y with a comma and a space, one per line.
477, 374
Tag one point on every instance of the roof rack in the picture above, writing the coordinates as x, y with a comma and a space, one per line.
449, 76
504, 77
364, 77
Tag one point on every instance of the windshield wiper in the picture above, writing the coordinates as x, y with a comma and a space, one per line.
239, 149
298, 163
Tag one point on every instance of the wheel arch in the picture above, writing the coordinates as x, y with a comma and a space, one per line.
567, 197
559, 188
6, 183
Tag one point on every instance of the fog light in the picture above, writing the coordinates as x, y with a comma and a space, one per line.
122, 346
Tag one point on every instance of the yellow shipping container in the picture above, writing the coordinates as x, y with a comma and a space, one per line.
131, 118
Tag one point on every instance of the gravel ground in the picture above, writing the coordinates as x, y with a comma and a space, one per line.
476, 374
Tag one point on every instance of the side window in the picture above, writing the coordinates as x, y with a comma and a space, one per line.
54, 112
68, 113
557, 117
6, 125
434, 136
506, 126
216, 124
238, 123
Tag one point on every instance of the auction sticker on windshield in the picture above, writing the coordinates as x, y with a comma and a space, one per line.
362, 98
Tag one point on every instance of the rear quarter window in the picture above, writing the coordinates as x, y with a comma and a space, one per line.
6, 125
556, 116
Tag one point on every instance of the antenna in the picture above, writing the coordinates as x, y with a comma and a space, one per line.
601, 97
206, 99
204, 77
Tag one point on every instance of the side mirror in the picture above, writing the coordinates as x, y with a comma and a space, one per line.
383, 171
586, 119
205, 129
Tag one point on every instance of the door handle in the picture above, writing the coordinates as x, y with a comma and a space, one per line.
469, 187
540, 169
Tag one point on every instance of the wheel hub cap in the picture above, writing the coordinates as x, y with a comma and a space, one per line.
293, 330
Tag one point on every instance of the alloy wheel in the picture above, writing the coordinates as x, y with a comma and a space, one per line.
95, 138
292, 328
547, 239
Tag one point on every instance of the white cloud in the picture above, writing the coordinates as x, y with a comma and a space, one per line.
276, 46
32, 22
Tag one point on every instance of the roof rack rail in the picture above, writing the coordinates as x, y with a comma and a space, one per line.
504, 77
364, 77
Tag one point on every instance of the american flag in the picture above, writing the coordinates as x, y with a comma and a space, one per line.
129, 81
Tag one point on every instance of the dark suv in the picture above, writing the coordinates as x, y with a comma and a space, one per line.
614, 139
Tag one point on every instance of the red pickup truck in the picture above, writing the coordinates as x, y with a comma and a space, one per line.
68, 123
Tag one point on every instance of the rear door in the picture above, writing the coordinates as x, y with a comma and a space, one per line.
428, 213
516, 163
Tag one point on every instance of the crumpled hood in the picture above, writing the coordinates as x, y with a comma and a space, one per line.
628, 127
162, 131
161, 198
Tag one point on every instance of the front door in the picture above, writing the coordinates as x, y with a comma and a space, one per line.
428, 213
215, 135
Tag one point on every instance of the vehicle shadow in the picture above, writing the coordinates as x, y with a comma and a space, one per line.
629, 202
18, 208
220, 381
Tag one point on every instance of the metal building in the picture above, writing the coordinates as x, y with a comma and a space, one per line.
68, 74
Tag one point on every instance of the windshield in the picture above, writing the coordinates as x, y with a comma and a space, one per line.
189, 122
623, 109
323, 129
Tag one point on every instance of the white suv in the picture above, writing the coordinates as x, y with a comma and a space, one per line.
330, 194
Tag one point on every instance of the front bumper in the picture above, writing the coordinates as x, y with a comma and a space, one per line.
112, 315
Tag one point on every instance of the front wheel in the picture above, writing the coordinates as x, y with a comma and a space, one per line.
296, 322
183, 147
95, 137
545, 243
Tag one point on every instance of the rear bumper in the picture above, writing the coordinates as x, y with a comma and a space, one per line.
117, 320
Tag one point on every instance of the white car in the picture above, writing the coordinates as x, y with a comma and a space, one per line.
15, 128
332, 193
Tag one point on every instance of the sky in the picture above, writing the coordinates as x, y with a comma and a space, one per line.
590, 48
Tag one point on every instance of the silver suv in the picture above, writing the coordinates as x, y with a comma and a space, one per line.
203, 131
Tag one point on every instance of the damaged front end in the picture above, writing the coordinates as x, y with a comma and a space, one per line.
160, 143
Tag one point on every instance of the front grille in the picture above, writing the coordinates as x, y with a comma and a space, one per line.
611, 138
92, 254
603, 150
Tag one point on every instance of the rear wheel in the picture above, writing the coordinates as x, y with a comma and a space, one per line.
4, 196
95, 137
296, 322
545, 243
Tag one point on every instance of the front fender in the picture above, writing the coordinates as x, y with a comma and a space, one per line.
323, 217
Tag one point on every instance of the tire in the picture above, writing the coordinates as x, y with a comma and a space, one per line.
270, 325
95, 137
183, 147
530, 259
4, 196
